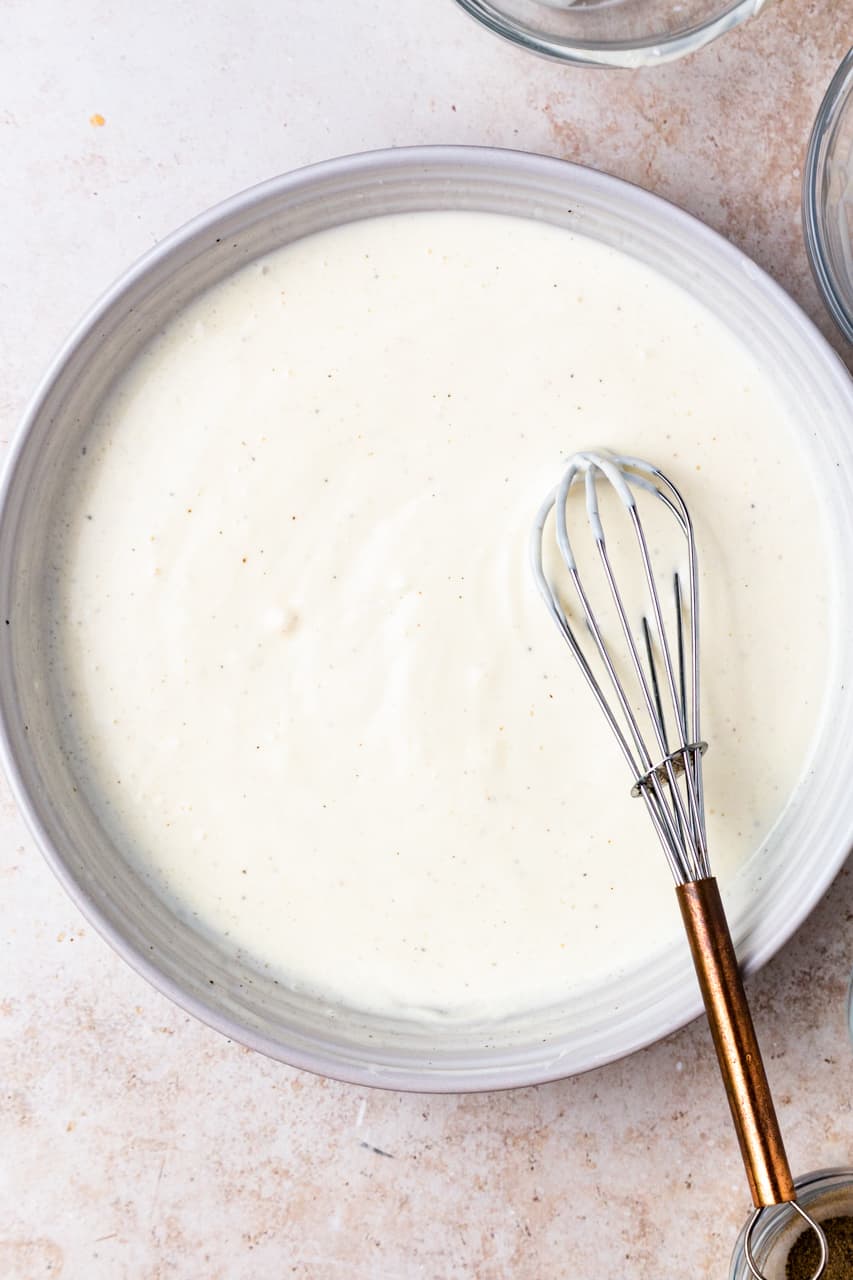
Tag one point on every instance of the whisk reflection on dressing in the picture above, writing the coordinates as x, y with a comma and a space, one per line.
645, 678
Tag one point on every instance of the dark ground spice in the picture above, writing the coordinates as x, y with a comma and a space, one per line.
803, 1258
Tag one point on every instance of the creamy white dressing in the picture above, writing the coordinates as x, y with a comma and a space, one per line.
311, 688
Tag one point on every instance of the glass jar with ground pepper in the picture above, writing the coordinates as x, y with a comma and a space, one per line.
785, 1248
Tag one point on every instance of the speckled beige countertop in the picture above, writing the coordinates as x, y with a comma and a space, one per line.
135, 1144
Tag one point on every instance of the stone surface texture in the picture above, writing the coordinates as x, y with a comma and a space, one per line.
135, 1144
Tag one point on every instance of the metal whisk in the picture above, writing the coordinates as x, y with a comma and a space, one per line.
650, 678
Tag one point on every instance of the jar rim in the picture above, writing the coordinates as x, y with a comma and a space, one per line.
778, 1219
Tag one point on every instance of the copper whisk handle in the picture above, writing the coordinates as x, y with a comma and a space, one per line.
735, 1041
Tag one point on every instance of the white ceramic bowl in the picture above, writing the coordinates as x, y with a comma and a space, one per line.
781, 882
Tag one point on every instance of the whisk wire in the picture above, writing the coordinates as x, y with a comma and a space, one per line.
677, 504
559, 617
679, 630
653, 794
682, 829
653, 672
686, 755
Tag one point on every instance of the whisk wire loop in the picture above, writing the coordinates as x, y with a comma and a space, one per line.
811, 1223
662, 819
669, 778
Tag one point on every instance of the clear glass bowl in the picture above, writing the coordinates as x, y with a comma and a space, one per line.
828, 197
612, 33
827, 1193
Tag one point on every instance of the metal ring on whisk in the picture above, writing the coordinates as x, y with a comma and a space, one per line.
815, 1226
676, 757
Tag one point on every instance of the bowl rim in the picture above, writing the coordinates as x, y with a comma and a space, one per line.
653, 50
837, 96
464, 159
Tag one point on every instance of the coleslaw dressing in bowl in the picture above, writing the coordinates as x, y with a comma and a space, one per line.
230, 643
306, 682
